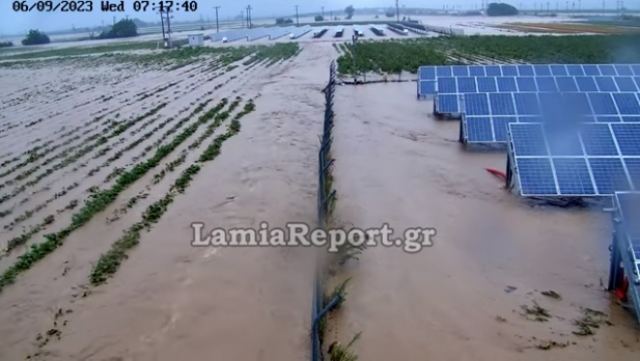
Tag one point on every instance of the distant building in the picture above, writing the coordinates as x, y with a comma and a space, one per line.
196, 40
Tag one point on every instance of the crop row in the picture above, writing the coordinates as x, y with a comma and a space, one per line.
99, 201
394, 56
109, 262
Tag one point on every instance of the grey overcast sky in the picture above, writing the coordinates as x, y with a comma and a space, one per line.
15, 23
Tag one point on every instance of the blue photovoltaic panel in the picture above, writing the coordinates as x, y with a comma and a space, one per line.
460, 70
526, 103
552, 105
447, 103
609, 175
428, 87
575, 70
493, 70
591, 70
501, 127
623, 70
627, 103
427, 73
631, 119
573, 176
633, 166
607, 69
507, 84
563, 141
566, 84
602, 103
528, 139
447, 85
467, 85
635, 68
542, 70
546, 84
479, 129
586, 84
606, 84
509, 70
443, 71
577, 102
526, 84
598, 140
502, 104
526, 70
608, 119
476, 70
628, 137
487, 84
637, 80
536, 176
625, 84
558, 70
476, 104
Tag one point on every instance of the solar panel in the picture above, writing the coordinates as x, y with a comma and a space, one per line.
447, 104
526, 103
546, 84
525, 70
607, 69
427, 73
558, 70
606, 84
479, 129
575, 70
627, 103
536, 176
591, 70
602, 103
467, 85
477, 70
476, 104
625, 84
593, 160
573, 176
623, 69
526, 84
507, 84
586, 84
566, 84
487, 84
502, 104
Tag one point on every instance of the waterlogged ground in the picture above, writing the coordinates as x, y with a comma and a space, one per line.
140, 141
494, 254
97, 119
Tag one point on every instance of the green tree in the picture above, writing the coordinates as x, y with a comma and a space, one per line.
6, 44
35, 37
319, 18
122, 29
349, 10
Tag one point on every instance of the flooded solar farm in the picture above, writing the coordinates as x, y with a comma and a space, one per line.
501, 153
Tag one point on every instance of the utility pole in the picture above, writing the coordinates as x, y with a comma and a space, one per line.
169, 27
164, 35
397, 11
322, 12
297, 17
249, 16
217, 23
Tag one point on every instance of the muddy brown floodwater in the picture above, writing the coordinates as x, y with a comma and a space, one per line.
460, 299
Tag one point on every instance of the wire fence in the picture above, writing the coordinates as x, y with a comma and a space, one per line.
326, 197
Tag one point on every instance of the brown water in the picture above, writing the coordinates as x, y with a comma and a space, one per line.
396, 164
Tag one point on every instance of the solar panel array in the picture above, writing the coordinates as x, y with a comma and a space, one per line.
271, 33
594, 159
487, 115
429, 76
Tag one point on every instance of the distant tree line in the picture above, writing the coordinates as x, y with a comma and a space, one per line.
35, 37
124, 28
283, 21
5, 44
500, 9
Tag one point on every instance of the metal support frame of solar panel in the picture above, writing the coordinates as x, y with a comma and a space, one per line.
486, 115
626, 243
429, 75
595, 160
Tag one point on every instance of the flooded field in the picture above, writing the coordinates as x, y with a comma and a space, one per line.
109, 156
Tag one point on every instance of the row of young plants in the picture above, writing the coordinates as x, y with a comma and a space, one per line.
23, 238
109, 262
394, 56
100, 200
93, 142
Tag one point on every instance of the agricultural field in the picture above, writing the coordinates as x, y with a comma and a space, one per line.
569, 28
105, 148
112, 155
393, 57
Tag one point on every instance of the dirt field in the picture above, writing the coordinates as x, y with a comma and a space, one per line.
72, 130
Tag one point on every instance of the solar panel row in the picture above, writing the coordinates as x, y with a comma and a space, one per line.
486, 115
594, 159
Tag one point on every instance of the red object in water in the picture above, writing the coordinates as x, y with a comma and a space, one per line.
497, 173
621, 292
